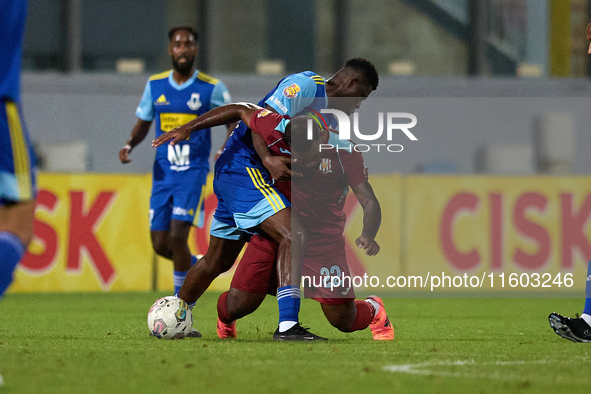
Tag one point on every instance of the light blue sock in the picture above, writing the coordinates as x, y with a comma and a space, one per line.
587, 309
288, 299
11, 251
178, 277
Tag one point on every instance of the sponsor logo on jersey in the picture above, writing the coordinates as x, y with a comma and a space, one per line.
194, 103
325, 166
162, 100
182, 212
291, 91
263, 113
178, 155
170, 120
589, 278
284, 151
279, 104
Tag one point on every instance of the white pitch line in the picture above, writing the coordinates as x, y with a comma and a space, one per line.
418, 369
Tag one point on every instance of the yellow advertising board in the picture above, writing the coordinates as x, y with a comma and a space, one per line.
504, 233
91, 234
533, 231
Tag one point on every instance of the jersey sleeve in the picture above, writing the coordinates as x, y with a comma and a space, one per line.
293, 94
353, 168
145, 110
219, 96
265, 123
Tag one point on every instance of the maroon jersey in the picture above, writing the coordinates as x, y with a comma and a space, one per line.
318, 197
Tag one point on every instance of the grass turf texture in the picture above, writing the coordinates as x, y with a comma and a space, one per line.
98, 343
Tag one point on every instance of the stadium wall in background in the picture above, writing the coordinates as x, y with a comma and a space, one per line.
456, 117
92, 231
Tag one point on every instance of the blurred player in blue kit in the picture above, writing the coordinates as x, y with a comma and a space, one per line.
173, 98
578, 329
17, 160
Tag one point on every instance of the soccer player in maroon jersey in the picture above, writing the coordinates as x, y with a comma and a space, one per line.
256, 274
318, 201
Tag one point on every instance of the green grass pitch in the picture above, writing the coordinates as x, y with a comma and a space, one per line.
98, 343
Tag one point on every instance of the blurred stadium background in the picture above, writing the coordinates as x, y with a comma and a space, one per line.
500, 89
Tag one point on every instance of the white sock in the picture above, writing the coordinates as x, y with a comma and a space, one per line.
286, 325
376, 306
587, 318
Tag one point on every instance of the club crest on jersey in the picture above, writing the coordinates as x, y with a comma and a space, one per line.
263, 113
325, 166
291, 91
194, 102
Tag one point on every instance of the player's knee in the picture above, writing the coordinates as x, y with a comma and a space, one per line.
161, 248
341, 325
178, 242
240, 305
339, 317
297, 237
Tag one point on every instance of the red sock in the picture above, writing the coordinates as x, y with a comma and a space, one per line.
223, 314
363, 317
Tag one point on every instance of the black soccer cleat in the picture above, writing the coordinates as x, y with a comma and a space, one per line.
193, 334
296, 333
576, 330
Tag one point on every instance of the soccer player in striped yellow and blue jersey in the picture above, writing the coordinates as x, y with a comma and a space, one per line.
17, 161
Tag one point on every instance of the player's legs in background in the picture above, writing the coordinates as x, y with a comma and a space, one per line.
16, 231
161, 243
587, 310
173, 245
221, 255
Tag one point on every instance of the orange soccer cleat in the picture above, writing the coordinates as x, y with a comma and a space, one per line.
226, 330
380, 326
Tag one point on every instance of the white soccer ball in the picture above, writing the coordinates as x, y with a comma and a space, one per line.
170, 318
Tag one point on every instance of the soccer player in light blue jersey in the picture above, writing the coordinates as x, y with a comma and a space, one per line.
170, 99
17, 160
258, 203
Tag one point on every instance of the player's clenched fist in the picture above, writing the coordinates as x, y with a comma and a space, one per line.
371, 247
124, 154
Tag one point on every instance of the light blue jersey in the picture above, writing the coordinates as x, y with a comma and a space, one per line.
180, 171
171, 105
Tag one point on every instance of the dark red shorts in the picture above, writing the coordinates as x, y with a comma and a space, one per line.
257, 270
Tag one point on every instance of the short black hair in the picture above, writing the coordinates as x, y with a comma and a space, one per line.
172, 31
299, 126
365, 68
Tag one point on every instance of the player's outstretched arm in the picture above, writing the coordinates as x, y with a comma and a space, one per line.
139, 132
276, 165
372, 218
216, 117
